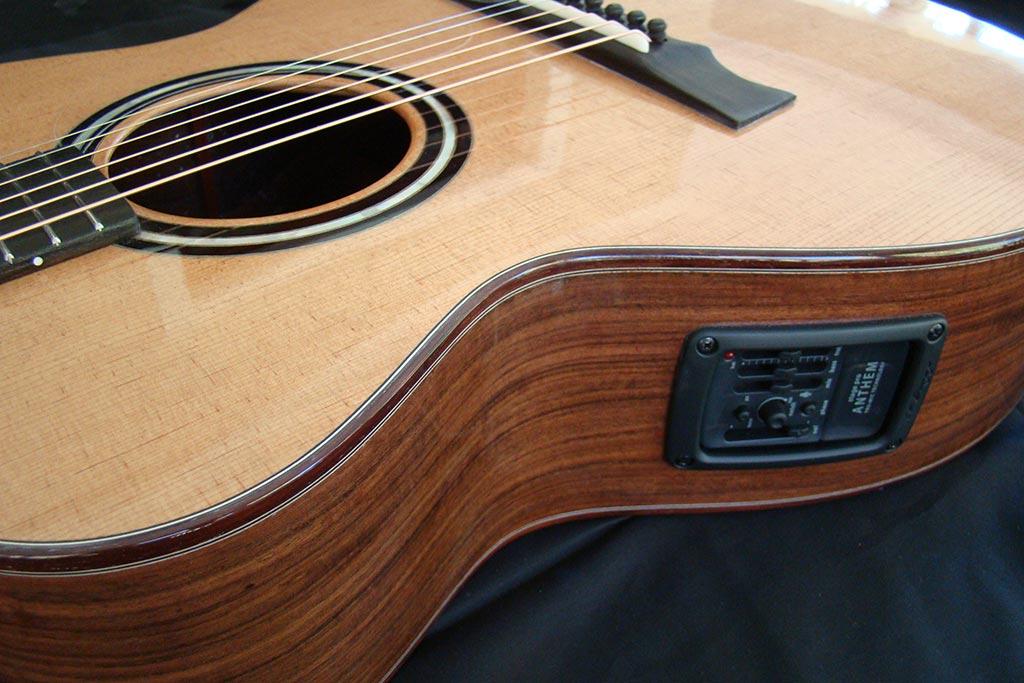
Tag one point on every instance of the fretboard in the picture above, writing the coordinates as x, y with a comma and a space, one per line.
27, 186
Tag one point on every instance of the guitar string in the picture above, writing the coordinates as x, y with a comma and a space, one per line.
227, 84
204, 131
62, 180
330, 124
260, 74
505, 105
262, 84
492, 112
120, 195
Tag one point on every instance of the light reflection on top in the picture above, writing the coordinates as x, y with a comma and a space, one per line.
1001, 40
949, 22
870, 6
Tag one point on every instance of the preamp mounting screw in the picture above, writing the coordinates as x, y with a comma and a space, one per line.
936, 331
707, 345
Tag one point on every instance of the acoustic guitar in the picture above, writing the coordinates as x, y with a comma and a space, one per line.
307, 314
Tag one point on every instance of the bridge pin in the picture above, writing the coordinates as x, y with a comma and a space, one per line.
614, 12
657, 29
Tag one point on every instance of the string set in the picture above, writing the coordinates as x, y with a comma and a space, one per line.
281, 67
262, 82
264, 112
490, 111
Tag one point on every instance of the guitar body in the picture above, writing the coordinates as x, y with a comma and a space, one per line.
284, 462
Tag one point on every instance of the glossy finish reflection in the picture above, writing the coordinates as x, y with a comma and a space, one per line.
935, 20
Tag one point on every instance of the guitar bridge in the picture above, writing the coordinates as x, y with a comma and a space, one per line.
686, 72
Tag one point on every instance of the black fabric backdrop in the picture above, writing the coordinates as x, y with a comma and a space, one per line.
920, 581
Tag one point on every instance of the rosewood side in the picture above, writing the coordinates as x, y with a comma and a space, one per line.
540, 399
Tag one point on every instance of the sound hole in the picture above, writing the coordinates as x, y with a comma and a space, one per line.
307, 172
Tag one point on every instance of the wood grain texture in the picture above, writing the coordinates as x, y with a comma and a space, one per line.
544, 400
143, 388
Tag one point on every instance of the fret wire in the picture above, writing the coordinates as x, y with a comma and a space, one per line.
43, 223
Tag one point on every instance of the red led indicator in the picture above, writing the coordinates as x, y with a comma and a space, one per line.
729, 355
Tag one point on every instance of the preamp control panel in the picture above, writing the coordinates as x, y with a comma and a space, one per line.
776, 395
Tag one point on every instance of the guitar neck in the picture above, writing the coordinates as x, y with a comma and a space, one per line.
42, 219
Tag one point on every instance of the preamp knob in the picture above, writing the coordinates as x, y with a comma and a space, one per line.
774, 412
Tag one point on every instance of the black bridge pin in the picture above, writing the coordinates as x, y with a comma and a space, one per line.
593, 6
657, 29
635, 20
614, 12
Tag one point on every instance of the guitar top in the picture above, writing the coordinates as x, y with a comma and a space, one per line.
141, 388
476, 289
